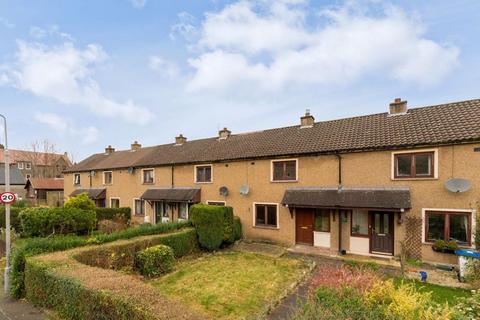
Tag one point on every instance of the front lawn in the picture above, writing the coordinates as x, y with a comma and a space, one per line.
440, 294
231, 285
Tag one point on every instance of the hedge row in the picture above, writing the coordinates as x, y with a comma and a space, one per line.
42, 222
34, 246
122, 256
110, 213
214, 225
71, 300
14, 219
237, 228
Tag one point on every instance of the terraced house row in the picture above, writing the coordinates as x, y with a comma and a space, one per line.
359, 185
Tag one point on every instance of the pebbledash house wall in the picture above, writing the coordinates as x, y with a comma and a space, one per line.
362, 169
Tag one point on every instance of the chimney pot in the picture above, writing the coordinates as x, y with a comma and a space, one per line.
180, 139
307, 120
224, 133
135, 146
109, 149
398, 106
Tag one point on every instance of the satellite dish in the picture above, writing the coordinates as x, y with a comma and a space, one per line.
131, 169
458, 185
223, 191
244, 190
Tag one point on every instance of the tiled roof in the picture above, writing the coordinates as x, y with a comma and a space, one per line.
39, 158
47, 183
434, 125
93, 193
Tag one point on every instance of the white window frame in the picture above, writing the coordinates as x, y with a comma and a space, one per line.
103, 176
217, 201
413, 151
28, 166
79, 179
203, 165
284, 160
254, 210
473, 216
20, 165
135, 207
114, 198
148, 169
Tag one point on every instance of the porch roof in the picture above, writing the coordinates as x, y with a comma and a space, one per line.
371, 198
172, 194
93, 193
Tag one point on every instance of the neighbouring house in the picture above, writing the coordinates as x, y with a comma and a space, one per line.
17, 181
45, 191
35, 164
360, 185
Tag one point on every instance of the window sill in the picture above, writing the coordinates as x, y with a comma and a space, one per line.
206, 182
284, 181
360, 235
138, 215
148, 183
266, 227
459, 246
413, 179
316, 231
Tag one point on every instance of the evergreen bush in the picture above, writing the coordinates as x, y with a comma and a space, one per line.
155, 261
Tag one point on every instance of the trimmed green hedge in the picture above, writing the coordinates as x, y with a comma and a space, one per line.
72, 300
110, 213
214, 225
34, 246
46, 221
122, 256
14, 219
237, 228
155, 261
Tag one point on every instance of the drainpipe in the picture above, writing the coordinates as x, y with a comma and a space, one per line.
339, 231
339, 157
173, 175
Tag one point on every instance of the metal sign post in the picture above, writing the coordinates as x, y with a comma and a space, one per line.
7, 209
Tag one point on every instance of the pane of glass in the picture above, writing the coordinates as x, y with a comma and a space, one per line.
322, 221
386, 223
183, 210
260, 215
458, 227
291, 170
404, 165
360, 222
278, 171
422, 165
436, 226
208, 174
378, 228
272, 215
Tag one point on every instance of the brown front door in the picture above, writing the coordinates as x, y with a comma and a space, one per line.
381, 236
304, 219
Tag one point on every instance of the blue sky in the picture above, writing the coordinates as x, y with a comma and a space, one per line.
86, 74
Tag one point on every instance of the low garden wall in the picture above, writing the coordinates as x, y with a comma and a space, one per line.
82, 283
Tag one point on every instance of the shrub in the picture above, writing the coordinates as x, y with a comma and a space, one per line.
72, 300
34, 246
14, 219
45, 221
237, 228
209, 223
112, 214
155, 261
82, 201
109, 226
467, 308
228, 232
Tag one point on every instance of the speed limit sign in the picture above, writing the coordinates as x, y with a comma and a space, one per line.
7, 197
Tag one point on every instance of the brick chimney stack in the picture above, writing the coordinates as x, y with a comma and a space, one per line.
108, 150
180, 139
135, 146
398, 106
307, 120
224, 133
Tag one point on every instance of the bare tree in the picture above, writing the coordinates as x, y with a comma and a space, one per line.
43, 157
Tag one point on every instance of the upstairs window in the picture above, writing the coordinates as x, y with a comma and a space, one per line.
203, 174
147, 176
107, 177
20, 165
414, 165
76, 179
284, 170
266, 215
448, 226
28, 166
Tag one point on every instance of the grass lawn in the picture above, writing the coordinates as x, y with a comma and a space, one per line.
231, 285
440, 294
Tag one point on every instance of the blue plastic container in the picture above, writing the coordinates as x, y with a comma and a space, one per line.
423, 276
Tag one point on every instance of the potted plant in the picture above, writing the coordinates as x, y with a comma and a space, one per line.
445, 246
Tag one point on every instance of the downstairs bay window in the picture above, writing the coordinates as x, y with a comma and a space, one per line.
448, 226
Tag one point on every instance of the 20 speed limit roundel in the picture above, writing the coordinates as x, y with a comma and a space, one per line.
7, 197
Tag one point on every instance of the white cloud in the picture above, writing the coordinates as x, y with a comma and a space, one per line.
164, 67
185, 27
6, 23
87, 135
52, 30
138, 4
65, 74
270, 46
